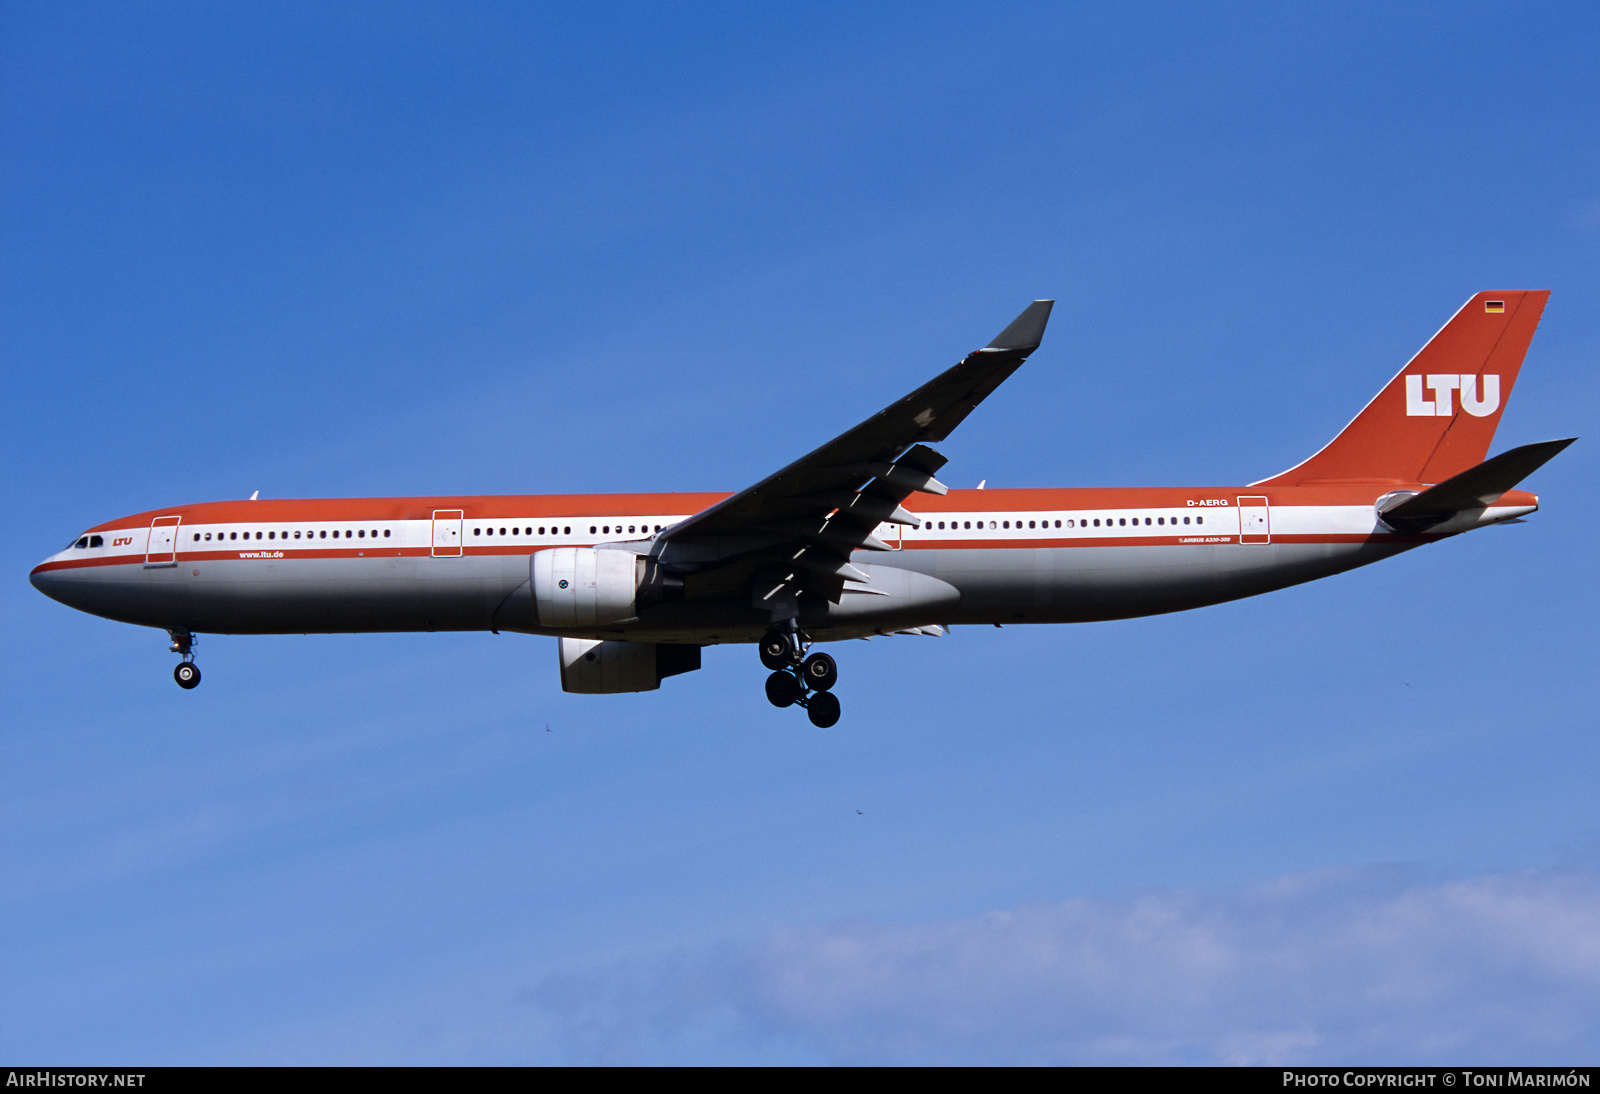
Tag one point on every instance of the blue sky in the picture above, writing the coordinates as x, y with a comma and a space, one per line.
404, 249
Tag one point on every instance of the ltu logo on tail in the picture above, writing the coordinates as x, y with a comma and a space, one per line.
1443, 384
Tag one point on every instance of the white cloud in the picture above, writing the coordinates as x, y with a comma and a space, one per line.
1338, 966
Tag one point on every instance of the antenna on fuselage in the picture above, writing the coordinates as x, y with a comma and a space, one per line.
254, 494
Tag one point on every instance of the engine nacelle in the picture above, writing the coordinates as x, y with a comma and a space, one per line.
585, 587
606, 668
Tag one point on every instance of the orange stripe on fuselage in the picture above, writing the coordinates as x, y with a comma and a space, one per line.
603, 506
494, 507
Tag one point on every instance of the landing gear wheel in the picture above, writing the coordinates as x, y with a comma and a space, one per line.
783, 690
187, 675
823, 709
821, 673
777, 650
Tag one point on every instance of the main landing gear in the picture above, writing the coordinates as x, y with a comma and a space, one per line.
187, 674
798, 680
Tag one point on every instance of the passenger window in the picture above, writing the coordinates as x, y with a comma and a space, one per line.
324, 534
991, 526
1186, 520
272, 535
1058, 524
258, 535
197, 537
567, 530
386, 533
1199, 520
477, 531
592, 528
362, 533
1147, 520
1007, 524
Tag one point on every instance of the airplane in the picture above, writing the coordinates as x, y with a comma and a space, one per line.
855, 540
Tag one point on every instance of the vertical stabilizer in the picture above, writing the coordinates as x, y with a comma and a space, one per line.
1437, 417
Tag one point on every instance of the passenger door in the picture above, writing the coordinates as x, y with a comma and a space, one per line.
447, 532
1255, 521
162, 547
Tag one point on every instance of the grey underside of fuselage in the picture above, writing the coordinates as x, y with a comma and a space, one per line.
492, 592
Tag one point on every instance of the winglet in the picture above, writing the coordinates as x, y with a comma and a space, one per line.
1026, 330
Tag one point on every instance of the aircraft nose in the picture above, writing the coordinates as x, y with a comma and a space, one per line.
46, 581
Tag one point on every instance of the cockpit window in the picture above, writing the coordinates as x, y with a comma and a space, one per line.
82, 543
96, 541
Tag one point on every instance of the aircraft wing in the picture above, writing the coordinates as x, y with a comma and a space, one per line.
807, 518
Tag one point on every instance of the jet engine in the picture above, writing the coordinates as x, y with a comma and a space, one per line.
585, 586
605, 668
596, 586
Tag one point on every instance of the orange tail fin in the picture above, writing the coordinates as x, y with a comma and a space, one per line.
1437, 417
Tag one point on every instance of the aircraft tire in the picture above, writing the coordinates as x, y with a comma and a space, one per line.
187, 675
823, 709
783, 690
777, 650
820, 671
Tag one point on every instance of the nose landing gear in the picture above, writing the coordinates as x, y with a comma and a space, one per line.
799, 680
187, 674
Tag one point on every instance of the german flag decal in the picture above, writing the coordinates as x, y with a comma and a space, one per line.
1494, 305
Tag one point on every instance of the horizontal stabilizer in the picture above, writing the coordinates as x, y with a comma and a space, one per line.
1475, 488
